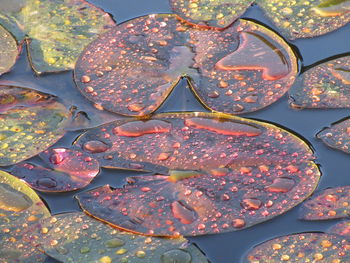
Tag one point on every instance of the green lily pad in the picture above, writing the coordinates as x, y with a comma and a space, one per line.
337, 136
218, 13
304, 247
30, 122
70, 170
323, 86
133, 68
328, 204
56, 30
8, 52
238, 171
75, 237
20, 208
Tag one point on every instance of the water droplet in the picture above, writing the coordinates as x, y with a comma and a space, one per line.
56, 158
13, 200
238, 223
281, 185
140, 254
95, 146
176, 256
46, 182
251, 204
136, 107
85, 79
115, 242
182, 212
139, 128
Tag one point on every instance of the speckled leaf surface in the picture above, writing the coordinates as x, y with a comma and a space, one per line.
342, 229
8, 51
57, 30
337, 136
323, 86
75, 237
247, 172
303, 19
20, 207
30, 122
328, 204
304, 247
132, 68
218, 13
70, 170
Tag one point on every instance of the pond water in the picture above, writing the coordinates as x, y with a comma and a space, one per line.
228, 247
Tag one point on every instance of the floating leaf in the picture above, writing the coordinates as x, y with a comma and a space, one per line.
30, 122
304, 247
20, 207
337, 136
75, 237
328, 204
219, 13
8, 52
246, 172
132, 68
70, 170
323, 86
57, 30
342, 229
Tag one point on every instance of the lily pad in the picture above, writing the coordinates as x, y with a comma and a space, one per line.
75, 237
133, 68
328, 204
342, 228
30, 122
219, 13
304, 247
69, 170
56, 30
337, 136
323, 86
8, 52
20, 208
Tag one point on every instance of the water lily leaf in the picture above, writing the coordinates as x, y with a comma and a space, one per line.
342, 229
70, 170
20, 207
57, 30
328, 204
8, 52
238, 171
30, 122
302, 19
219, 13
75, 237
304, 247
337, 136
323, 86
132, 68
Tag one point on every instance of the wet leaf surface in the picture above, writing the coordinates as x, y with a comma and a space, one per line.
247, 172
342, 229
8, 52
30, 122
328, 204
304, 247
68, 171
57, 30
323, 86
132, 68
20, 207
220, 13
337, 135
75, 237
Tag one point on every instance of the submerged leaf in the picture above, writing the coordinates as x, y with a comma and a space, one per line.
323, 86
245, 173
70, 170
342, 229
30, 122
8, 51
328, 204
132, 68
20, 207
218, 13
304, 247
75, 237
57, 30
337, 136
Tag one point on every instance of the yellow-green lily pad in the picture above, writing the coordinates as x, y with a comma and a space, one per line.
20, 208
30, 122
56, 30
8, 51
